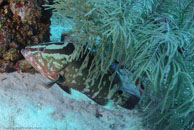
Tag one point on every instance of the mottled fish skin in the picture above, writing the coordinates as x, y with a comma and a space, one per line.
90, 87
52, 60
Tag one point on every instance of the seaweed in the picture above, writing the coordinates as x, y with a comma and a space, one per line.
151, 38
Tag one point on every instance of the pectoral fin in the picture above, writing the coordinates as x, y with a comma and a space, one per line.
59, 79
65, 88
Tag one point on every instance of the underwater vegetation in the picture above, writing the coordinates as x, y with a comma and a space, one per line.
151, 38
21, 23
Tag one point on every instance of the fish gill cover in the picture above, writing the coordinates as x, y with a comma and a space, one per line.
151, 38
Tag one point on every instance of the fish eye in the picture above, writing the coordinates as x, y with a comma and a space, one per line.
120, 92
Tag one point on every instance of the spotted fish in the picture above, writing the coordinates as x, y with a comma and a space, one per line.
57, 61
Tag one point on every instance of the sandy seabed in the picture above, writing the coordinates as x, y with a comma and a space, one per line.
26, 105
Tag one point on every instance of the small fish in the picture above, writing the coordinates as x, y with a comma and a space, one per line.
57, 61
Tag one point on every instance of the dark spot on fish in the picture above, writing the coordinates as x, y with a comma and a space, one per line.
45, 43
50, 43
67, 50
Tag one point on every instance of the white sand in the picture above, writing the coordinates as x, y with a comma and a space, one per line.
25, 104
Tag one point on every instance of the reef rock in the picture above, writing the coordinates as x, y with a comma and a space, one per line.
22, 22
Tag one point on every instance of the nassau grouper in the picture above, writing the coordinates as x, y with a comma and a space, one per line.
58, 62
